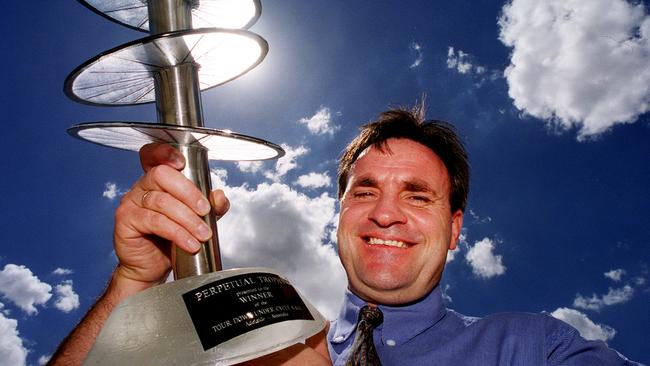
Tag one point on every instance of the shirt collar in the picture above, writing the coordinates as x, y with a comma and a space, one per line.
401, 323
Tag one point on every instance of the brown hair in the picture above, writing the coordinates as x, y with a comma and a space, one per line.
439, 136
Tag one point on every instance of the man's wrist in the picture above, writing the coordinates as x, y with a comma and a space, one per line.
122, 286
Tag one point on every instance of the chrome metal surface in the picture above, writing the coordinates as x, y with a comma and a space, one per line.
169, 15
232, 14
220, 144
207, 259
125, 75
153, 327
178, 97
178, 102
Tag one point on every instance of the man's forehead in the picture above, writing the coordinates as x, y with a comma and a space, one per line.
403, 149
421, 163
382, 148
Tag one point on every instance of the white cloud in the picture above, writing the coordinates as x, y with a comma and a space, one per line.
111, 191
640, 281
314, 180
250, 166
19, 285
44, 359
218, 178
615, 274
12, 351
67, 300
419, 55
321, 122
479, 219
275, 226
334, 228
462, 242
483, 261
462, 62
618, 296
3, 310
62, 271
445, 294
587, 328
286, 163
451, 254
577, 63
613, 297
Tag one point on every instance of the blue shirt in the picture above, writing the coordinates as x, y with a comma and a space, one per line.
427, 333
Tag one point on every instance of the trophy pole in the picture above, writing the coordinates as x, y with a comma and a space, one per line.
207, 316
178, 102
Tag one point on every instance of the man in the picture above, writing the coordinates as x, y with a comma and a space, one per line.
403, 186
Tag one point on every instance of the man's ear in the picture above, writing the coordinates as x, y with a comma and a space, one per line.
456, 226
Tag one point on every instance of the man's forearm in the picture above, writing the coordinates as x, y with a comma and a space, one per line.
75, 347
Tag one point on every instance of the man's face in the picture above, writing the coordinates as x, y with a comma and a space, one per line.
396, 223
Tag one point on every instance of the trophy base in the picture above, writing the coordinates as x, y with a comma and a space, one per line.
219, 318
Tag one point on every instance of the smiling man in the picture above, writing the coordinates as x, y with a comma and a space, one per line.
403, 185
396, 222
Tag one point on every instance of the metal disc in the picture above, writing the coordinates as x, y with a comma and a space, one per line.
221, 144
125, 75
231, 14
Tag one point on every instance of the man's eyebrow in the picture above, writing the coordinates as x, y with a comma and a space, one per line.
418, 186
411, 185
366, 182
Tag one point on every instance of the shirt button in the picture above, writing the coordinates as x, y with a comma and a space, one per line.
390, 342
339, 339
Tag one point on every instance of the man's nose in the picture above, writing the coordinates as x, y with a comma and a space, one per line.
387, 212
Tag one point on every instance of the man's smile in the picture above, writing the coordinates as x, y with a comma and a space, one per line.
390, 243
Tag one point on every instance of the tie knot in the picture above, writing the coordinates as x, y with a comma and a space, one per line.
371, 315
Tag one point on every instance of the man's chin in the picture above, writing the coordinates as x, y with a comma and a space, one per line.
381, 291
380, 295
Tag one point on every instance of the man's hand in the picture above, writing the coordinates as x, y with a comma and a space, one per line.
162, 208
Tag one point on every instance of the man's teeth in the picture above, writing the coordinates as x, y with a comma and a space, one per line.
390, 243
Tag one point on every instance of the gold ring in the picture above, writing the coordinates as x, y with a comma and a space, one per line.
144, 197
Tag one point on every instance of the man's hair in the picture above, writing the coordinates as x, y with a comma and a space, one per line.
439, 136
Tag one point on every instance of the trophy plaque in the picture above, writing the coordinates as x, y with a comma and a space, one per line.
207, 316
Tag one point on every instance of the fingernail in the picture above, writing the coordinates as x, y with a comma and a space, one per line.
193, 245
203, 206
204, 231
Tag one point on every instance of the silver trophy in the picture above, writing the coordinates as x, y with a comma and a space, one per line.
206, 316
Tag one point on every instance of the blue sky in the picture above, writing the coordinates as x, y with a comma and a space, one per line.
551, 98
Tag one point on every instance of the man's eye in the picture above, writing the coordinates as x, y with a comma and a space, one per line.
419, 199
362, 194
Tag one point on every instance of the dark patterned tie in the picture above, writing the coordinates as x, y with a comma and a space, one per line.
363, 348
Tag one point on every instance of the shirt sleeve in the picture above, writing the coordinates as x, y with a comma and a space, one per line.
565, 347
